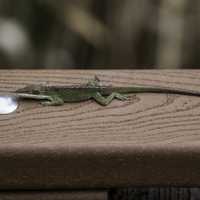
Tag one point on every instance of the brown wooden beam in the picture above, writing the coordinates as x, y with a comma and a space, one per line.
49, 195
150, 140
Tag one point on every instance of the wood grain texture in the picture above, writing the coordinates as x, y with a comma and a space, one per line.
151, 135
146, 118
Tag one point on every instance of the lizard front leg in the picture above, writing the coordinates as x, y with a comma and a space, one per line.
107, 100
53, 101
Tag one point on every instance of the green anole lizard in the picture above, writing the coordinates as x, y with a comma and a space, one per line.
58, 95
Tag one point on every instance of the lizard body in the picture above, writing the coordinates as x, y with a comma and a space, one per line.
58, 95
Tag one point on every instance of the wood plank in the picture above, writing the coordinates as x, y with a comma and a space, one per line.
54, 195
152, 139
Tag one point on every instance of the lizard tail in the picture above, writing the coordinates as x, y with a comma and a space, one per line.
165, 90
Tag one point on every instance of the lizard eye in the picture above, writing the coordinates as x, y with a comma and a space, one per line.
36, 92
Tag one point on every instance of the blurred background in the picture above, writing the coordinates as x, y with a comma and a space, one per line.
103, 34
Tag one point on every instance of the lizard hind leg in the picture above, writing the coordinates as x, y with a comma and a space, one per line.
107, 100
53, 101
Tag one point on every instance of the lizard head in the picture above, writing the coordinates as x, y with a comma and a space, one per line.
32, 89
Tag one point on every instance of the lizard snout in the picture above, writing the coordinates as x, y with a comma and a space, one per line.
31, 89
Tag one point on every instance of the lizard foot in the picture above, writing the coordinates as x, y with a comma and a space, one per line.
46, 103
121, 97
53, 101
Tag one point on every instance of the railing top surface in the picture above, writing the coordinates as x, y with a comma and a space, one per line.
149, 134
144, 119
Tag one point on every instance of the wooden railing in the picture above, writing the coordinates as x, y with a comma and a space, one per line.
149, 140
